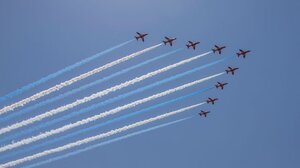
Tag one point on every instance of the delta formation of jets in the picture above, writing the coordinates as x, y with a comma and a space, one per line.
217, 49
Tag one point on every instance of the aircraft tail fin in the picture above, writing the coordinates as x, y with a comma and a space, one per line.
165, 42
187, 46
238, 54
137, 38
214, 50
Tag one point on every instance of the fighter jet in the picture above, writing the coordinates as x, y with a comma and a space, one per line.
169, 40
218, 49
212, 101
191, 44
220, 85
203, 113
231, 70
140, 36
242, 53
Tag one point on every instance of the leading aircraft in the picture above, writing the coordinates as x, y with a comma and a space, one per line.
242, 53
140, 36
220, 85
203, 113
192, 44
169, 40
231, 70
212, 101
218, 49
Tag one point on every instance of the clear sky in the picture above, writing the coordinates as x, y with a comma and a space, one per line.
255, 124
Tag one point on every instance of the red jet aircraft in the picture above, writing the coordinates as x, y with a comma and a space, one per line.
203, 113
218, 49
140, 36
212, 101
191, 44
220, 85
169, 40
231, 70
242, 53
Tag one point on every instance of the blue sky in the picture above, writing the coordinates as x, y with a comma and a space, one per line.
256, 121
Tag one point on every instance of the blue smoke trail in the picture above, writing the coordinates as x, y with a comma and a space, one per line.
106, 142
52, 141
60, 72
109, 101
74, 91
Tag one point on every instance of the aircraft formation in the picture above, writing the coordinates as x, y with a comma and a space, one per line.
217, 49
11, 151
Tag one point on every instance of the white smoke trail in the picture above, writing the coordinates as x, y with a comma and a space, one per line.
96, 95
110, 141
73, 80
97, 137
101, 115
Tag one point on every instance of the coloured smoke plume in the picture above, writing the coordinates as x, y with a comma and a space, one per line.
79, 151
97, 95
61, 72
73, 80
86, 86
104, 103
102, 115
98, 137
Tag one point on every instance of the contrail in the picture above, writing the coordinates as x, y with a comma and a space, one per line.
97, 126
60, 72
102, 115
106, 102
97, 95
73, 80
79, 151
74, 91
98, 137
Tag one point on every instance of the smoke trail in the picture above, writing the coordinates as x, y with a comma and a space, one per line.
74, 91
108, 101
97, 126
60, 72
98, 137
73, 80
106, 142
102, 115
97, 95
